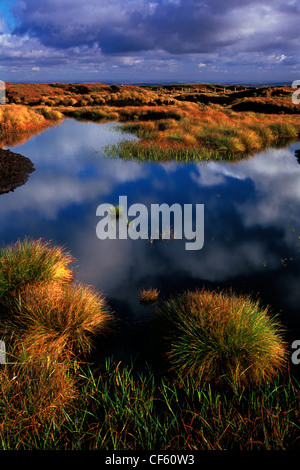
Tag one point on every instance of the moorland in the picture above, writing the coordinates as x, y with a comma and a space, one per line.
220, 378
182, 122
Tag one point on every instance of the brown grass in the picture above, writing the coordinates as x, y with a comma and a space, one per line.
34, 394
28, 262
209, 120
17, 119
60, 320
148, 295
221, 338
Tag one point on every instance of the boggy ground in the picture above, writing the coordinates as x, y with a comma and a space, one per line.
172, 122
14, 170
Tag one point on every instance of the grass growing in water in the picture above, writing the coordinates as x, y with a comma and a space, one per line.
220, 338
116, 211
205, 134
148, 295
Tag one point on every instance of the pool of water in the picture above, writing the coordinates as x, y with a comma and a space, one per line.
251, 230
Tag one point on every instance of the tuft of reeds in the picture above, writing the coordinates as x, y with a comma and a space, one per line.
59, 321
148, 295
31, 261
16, 118
116, 211
49, 113
221, 338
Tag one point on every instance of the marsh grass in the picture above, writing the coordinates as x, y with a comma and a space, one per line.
118, 409
220, 338
116, 211
50, 113
34, 397
16, 118
31, 261
60, 321
86, 113
148, 296
205, 134
169, 125
52, 399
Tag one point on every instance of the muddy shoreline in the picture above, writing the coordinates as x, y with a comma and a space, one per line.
15, 170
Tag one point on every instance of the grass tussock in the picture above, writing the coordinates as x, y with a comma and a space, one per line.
16, 118
221, 338
60, 321
116, 211
30, 261
148, 296
51, 400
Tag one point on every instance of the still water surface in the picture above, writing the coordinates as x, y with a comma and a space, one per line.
252, 225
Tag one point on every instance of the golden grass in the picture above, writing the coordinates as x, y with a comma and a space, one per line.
221, 338
60, 320
31, 261
200, 120
16, 118
34, 394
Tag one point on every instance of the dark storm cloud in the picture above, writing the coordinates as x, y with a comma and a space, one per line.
177, 27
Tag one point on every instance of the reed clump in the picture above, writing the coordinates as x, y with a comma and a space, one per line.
60, 321
221, 338
48, 313
16, 118
31, 261
148, 296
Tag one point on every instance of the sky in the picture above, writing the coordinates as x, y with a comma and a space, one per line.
156, 41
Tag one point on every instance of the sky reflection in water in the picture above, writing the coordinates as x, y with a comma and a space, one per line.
252, 227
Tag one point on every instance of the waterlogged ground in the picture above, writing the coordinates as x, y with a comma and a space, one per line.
252, 226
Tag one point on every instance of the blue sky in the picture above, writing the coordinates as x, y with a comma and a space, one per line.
134, 41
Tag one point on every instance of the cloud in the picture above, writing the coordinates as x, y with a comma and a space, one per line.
84, 174
137, 33
189, 26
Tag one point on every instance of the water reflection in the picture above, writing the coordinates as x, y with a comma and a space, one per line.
252, 228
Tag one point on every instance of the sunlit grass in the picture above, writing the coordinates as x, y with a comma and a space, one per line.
50, 398
16, 118
211, 122
221, 338
205, 135
31, 261
60, 320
